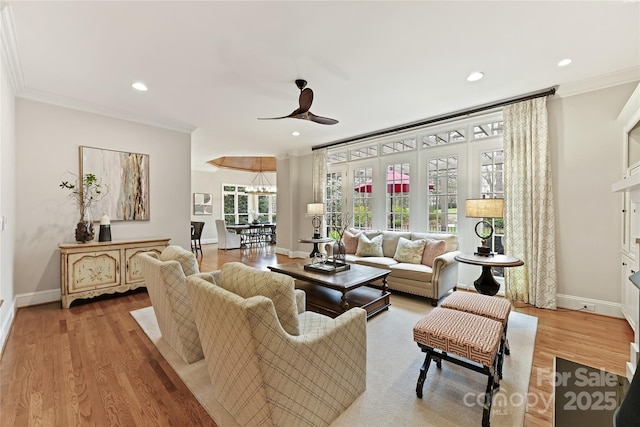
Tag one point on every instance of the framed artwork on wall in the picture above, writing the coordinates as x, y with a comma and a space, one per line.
202, 204
127, 177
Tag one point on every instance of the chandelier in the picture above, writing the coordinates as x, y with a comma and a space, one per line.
260, 186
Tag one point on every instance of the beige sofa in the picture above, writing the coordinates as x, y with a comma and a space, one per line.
431, 281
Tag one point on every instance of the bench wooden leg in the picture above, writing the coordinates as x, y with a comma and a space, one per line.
423, 374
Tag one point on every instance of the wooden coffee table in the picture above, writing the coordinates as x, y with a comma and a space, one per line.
334, 293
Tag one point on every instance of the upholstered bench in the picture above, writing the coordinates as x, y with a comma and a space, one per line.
466, 339
483, 305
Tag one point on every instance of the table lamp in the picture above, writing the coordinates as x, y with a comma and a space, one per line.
315, 211
484, 208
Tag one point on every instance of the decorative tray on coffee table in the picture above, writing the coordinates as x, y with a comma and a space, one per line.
328, 266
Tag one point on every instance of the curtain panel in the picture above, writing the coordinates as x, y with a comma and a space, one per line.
529, 207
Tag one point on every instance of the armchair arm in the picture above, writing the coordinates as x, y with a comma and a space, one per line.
301, 300
445, 274
328, 248
210, 277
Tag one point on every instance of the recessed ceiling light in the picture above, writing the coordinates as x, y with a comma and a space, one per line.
564, 62
476, 75
139, 86
295, 133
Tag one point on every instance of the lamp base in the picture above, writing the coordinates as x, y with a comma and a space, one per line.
483, 251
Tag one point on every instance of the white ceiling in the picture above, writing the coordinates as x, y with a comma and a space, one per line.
216, 66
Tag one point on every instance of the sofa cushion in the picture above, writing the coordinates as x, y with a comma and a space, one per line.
350, 241
186, 258
248, 282
418, 272
409, 250
375, 261
368, 247
450, 239
390, 241
433, 249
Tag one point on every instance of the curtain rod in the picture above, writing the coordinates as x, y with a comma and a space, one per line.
546, 92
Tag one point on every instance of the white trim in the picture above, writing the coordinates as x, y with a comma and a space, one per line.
6, 323
599, 82
10, 53
605, 308
35, 298
131, 116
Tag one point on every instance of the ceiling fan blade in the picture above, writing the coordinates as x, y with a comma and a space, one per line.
320, 119
306, 98
273, 118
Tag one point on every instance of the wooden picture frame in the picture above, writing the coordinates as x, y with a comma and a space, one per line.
126, 175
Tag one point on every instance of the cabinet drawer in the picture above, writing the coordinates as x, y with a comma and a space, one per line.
133, 270
93, 270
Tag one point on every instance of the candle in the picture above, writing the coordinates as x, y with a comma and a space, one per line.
104, 220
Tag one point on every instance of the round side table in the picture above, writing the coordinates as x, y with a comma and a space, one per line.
486, 284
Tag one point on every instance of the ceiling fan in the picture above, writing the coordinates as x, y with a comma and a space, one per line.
303, 113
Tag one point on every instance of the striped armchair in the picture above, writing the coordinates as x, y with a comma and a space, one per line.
267, 366
166, 277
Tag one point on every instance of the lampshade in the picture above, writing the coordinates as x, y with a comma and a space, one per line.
484, 208
315, 209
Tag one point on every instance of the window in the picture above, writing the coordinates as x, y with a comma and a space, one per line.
397, 200
336, 157
333, 207
487, 129
363, 152
362, 189
492, 167
236, 204
442, 184
242, 208
399, 146
448, 137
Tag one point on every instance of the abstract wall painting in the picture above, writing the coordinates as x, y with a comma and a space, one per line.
202, 204
127, 177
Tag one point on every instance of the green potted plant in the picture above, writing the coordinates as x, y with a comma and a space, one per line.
84, 194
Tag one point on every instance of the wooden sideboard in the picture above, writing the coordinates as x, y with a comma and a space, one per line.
96, 268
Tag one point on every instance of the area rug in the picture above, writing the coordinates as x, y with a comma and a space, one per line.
453, 395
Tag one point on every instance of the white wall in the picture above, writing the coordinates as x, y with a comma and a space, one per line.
48, 138
7, 201
586, 158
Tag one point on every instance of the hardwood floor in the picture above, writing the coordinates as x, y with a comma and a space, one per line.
92, 365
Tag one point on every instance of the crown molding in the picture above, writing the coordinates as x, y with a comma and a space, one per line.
9, 47
604, 81
62, 101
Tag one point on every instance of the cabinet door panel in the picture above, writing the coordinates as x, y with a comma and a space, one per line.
133, 272
93, 270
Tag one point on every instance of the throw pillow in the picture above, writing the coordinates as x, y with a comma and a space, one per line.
409, 251
368, 247
248, 282
432, 250
350, 241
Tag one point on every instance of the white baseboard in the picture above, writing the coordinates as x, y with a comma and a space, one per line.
35, 298
5, 324
601, 307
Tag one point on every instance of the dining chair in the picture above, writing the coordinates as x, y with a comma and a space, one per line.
196, 233
226, 239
